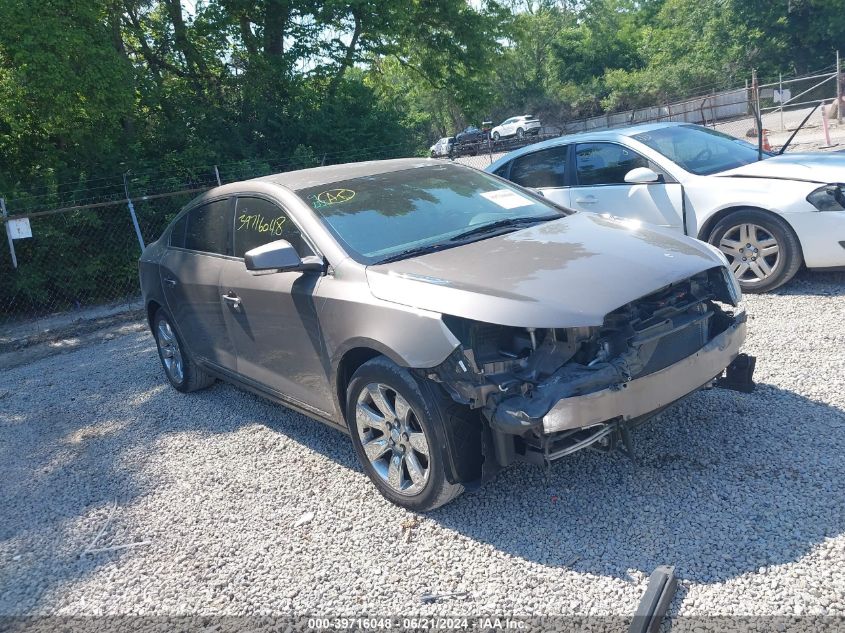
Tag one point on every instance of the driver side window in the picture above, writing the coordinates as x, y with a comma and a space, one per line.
605, 163
259, 221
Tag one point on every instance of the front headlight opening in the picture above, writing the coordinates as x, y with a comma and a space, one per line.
732, 286
828, 198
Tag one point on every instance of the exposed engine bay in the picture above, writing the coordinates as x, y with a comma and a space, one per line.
515, 376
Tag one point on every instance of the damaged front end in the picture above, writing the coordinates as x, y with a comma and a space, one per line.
546, 393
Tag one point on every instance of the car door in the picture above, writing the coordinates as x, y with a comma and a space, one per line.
545, 171
599, 186
272, 317
190, 273
508, 127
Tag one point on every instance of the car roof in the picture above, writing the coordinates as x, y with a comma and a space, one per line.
317, 176
606, 134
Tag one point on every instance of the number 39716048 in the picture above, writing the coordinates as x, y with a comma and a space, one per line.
260, 224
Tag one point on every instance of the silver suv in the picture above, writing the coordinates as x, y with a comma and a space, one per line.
450, 321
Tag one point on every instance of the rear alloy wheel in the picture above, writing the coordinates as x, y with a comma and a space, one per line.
761, 249
181, 370
396, 422
520, 133
170, 352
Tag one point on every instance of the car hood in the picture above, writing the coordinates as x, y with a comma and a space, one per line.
821, 167
565, 273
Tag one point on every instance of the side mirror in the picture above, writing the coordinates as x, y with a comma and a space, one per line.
281, 256
642, 176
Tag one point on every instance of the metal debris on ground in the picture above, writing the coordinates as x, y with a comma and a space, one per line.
655, 601
431, 598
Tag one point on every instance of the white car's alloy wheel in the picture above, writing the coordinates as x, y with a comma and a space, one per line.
753, 252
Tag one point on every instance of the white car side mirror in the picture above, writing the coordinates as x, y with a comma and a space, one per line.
641, 176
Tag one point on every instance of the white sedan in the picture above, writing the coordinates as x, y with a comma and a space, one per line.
767, 216
442, 147
517, 126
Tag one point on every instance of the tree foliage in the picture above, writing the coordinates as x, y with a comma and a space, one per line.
95, 88
98, 86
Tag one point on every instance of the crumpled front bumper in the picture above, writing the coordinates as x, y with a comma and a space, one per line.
641, 396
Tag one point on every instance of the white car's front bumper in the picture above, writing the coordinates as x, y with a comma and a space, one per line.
822, 237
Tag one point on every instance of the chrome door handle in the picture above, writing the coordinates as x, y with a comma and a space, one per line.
587, 200
233, 300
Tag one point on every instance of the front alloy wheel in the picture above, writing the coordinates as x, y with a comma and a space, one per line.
761, 248
753, 253
397, 423
392, 439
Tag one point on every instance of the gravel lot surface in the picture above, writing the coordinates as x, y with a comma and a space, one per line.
121, 496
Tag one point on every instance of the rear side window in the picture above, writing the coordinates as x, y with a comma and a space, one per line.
259, 221
208, 228
177, 233
502, 171
546, 168
605, 163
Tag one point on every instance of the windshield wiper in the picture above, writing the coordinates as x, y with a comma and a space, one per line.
413, 252
461, 238
492, 226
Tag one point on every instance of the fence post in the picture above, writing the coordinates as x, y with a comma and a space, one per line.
132, 213
758, 115
839, 103
8, 232
780, 88
216, 175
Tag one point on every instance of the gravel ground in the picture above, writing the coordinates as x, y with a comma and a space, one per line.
121, 496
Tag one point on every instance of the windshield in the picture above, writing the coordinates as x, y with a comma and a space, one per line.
378, 217
700, 150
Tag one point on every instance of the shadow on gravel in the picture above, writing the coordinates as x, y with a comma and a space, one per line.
725, 483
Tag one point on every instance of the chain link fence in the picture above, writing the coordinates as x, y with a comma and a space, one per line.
80, 264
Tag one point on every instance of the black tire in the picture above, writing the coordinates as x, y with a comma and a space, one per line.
782, 267
495, 136
520, 133
193, 377
431, 409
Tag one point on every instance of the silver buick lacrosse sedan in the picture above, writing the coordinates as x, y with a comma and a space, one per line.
449, 321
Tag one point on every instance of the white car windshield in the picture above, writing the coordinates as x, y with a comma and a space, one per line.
699, 150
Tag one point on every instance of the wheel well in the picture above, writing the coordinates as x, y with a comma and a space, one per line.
713, 220
717, 217
152, 308
349, 364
